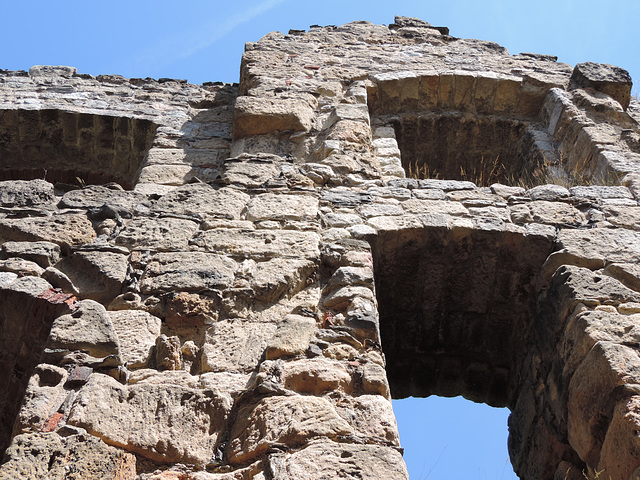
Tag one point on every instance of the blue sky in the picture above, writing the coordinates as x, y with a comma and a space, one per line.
203, 41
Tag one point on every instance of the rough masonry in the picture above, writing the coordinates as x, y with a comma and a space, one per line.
217, 282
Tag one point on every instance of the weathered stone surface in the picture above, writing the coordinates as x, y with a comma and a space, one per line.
627, 273
607, 367
548, 193
44, 254
95, 196
202, 201
76, 457
22, 193
235, 346
137, 332
316, 376
292, 421
44, 397
187, 272
371, 416
260, 244
270, 206
628, 217
374, 379
63, 229
257, 116
160, 234
87, 328
613, 81
292, 337
191, 309
326, 459
163, 422
269, 281
250, 171
618, 457
97, 275
21, 267
597, 246
168, 354
553, 213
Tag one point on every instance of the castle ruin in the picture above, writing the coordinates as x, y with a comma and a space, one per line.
231, 282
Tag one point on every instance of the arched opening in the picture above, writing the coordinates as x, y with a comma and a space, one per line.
71, 147
484, 149
455, 305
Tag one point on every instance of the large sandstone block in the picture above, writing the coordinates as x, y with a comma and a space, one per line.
324, 459
619, 455
98, 275
606, 370
316, 376
292, 337
76, 457
87, 328
614, 81
292, 421
62, 229
163, 422
187, 272
235, 346
21, 193
260, 244
95, 196
137, 332
159, 234
257, 115
202, 201
271, 206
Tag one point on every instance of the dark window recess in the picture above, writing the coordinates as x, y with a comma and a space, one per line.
74, 148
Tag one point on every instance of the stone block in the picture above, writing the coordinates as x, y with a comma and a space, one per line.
324, 459
292, 421
292, 337
235, 346
44, 254
606, 369
316, 376
601, 245
22, 193
201, 201
187, 272
372, 417
88, 328
95, 196
163, 422
258, 116
63, 229
137, 332
609, 79
75, 457
250, 171
271, 206
45, 396
619, 454
159, 234
260, 244
98, 275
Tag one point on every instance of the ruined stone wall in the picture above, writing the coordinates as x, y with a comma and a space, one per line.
225, 282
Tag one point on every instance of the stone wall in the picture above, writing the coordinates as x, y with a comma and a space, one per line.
232, 281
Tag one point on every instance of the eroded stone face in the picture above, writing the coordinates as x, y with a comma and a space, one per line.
164, 422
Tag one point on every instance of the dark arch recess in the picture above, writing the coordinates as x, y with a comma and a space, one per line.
71, 147
454, 308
